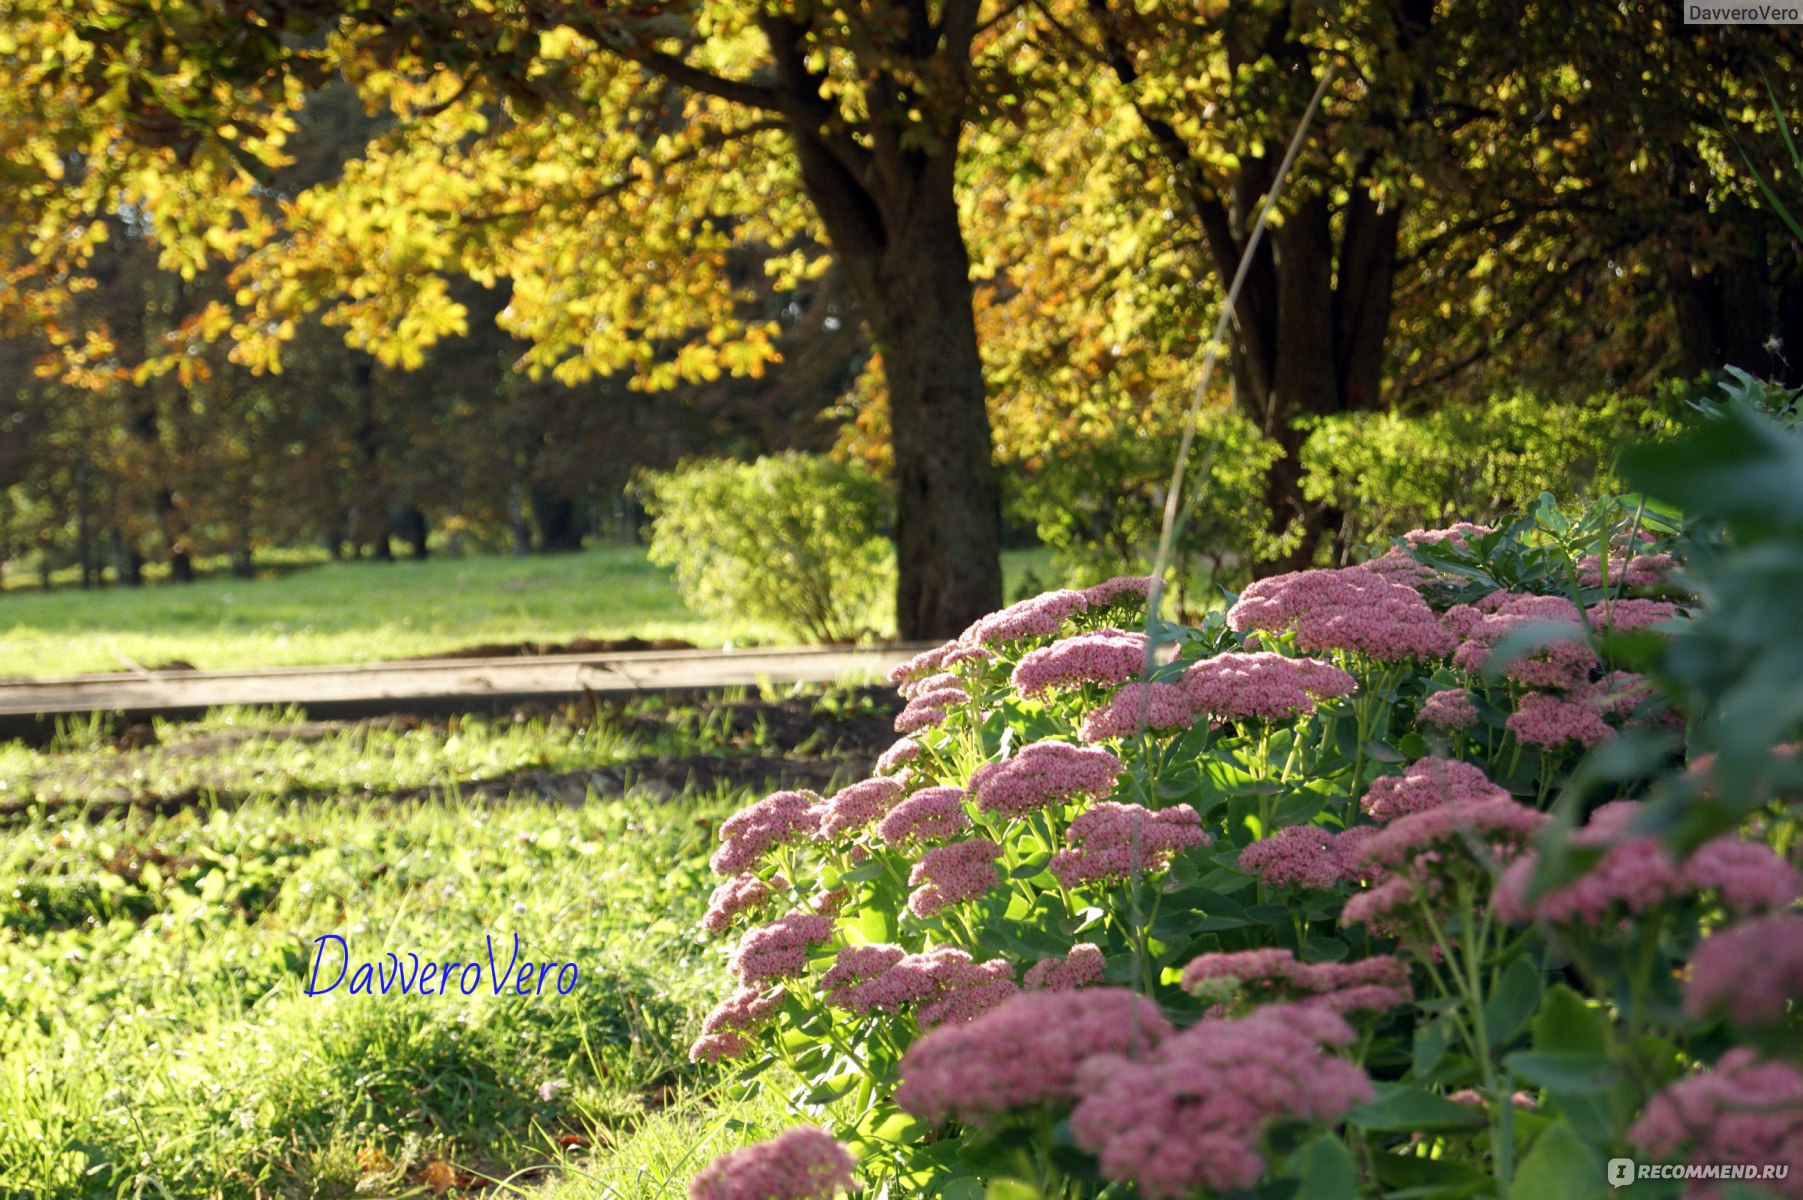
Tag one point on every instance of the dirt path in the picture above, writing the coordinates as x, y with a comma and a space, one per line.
29, 708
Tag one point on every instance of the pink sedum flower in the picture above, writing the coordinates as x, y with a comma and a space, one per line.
1122, 590
927, 709
1296, 855
1623, 616
779, 949
1640, 570
945, 985
1262, 684
1428, 783
1024, 1053
1635, 875
892, 760
934, 814
1352, 609
723, 1030
1371, 984
1042, 775
1136, 707
1450, 709
753, 832
1079, 968
1193, 1116
1040, 617
799, 1164
1550, 723
1750, 972
1564, 661
857, 806
1105, 656
740, 894
1116, 841
921, 665
954, 874
1743, 1111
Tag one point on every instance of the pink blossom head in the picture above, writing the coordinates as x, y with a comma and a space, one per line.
1744, 1110
1024, 1053
1448, 710
1106, 656
921, 665
780, 949
1124, 591
1267, 976
1435, 840
892, 760
1624, 616
927, 709
799, 1164
1625, 570
1115, 842
1296, 856
854, 807
1137, 707
1041, 616
1750, 972
1428, 783
1352, 609
723, 1032
954, 874
1262, 684
1079, 968
753, 832
934, 814
1546, 721
1042, 775
1459, 534
740, 894
1566, 658
1194, 1116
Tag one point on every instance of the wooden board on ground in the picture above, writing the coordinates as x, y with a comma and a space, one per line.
30, 707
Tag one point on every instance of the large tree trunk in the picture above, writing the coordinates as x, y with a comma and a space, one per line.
555, 517
892, 217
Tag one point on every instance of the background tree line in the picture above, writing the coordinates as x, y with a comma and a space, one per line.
985, 233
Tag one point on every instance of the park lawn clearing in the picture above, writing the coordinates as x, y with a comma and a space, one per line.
155, 1036
359, 612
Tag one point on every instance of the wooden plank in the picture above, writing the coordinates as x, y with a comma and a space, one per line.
437, 685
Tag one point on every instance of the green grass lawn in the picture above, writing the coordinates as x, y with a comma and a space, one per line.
367, 612
155, 1035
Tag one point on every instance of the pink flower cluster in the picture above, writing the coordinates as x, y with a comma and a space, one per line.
1024, 1053
1352, 609
723, 1030
1139, 706
910, 688
753, 832
740, 894
798, 1164
1104, 656
856, 806
944, 984
1263, 684
1192, 1116
1750, 972
1543, 719
1081, 967
1122, 589
1041, 616
934, 814
1640, 570
952, 874
1457, 534
1305, 856
1636, 874
1041, 775
1743, 1111
1428, 783
921, 665
929, 708
779, 949
1115, 841
1564, 662
1623, 616
1262, 976
905, 750
1450, 709
1400, 567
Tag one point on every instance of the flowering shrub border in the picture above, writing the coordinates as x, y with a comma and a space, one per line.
1283, 899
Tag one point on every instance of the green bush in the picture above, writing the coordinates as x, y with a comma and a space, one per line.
791, 540
1390, 473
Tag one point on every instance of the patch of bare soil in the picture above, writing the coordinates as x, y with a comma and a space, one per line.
541, 649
